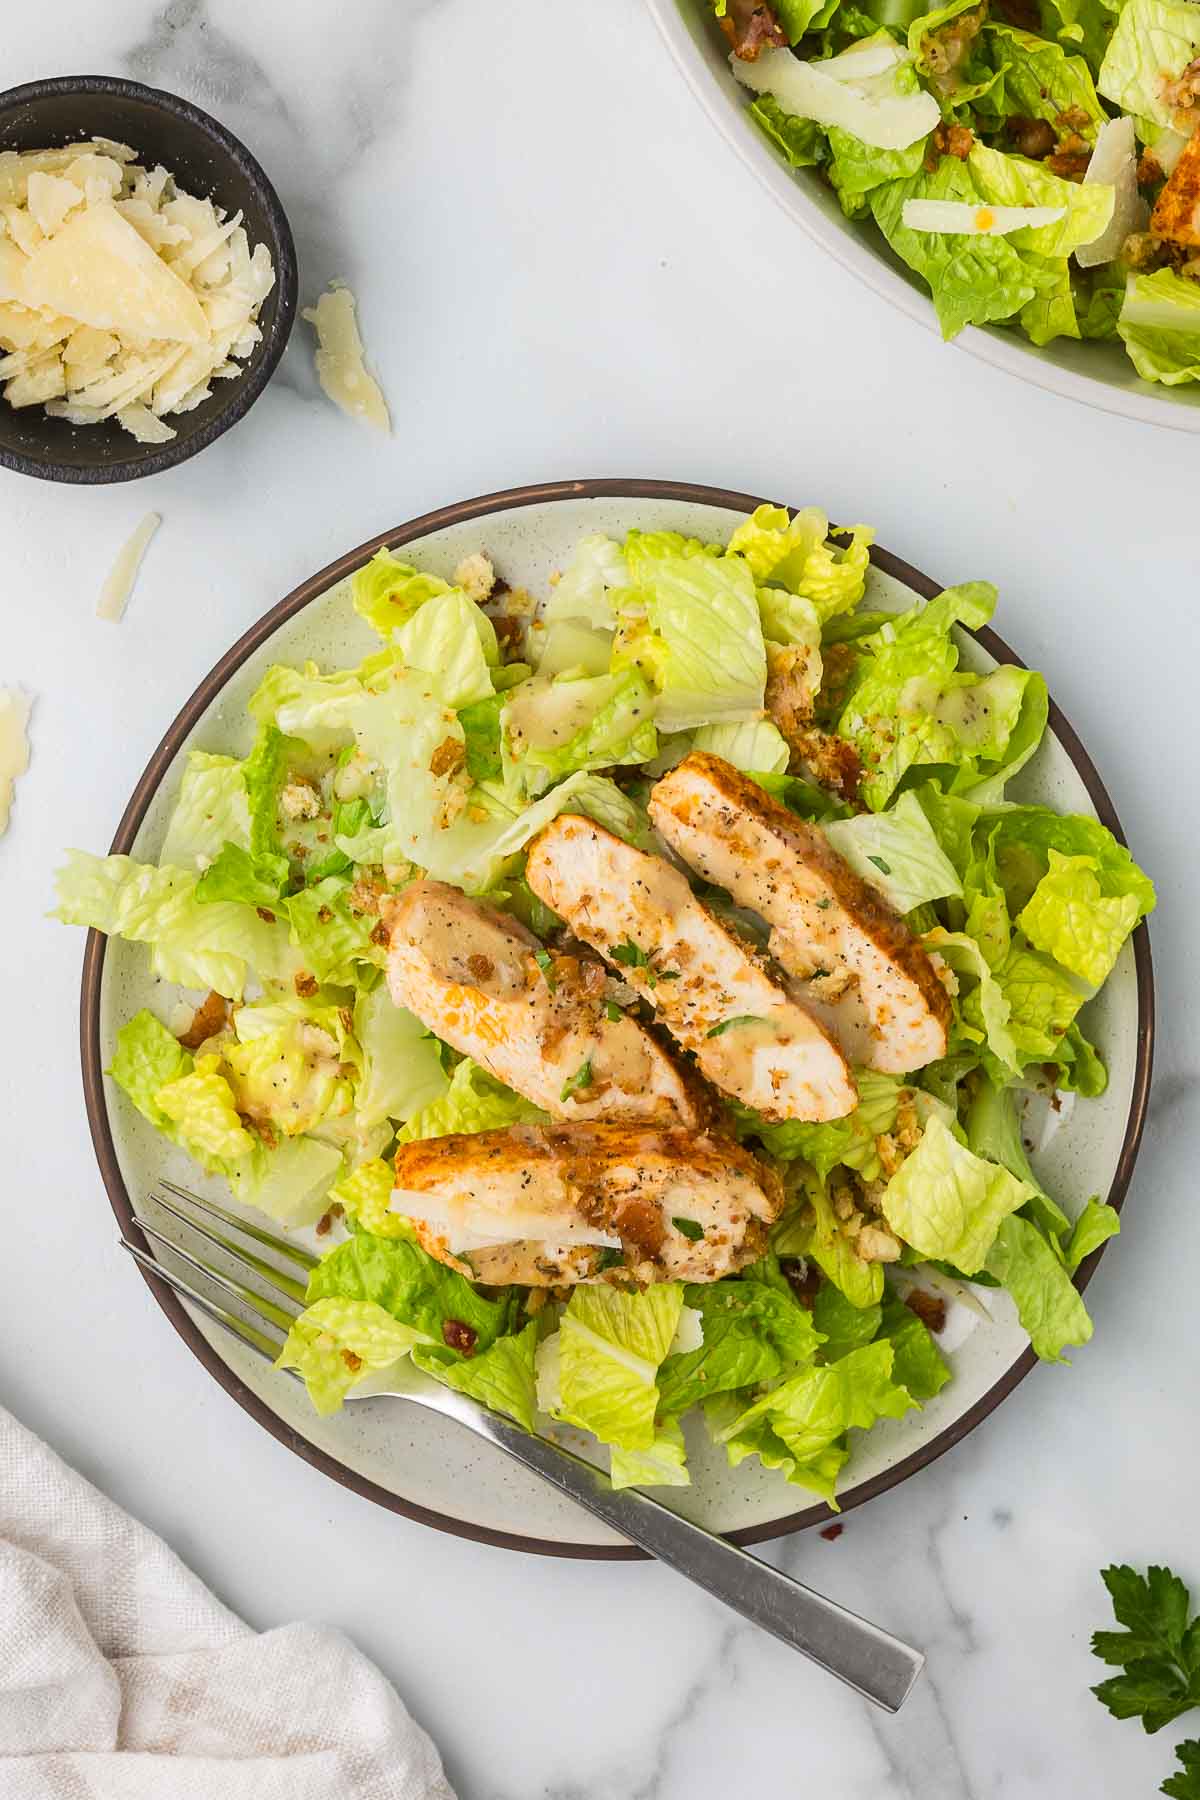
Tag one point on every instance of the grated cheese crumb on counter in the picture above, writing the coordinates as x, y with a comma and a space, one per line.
15, 707
339, 358
118, 586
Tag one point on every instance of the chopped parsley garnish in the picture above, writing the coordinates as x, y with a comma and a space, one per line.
667, 974
582, 1078
825, 904
689, 1229
728, 1024
612, 1012
883, 867
545, 963
1159, 1650
608, 1258
629, 955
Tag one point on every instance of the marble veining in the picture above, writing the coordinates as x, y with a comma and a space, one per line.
562, 270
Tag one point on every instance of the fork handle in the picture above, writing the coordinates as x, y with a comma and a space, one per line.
868, 1659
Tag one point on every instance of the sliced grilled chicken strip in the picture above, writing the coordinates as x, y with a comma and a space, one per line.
749, 1036
559, 1204
472, 974
863, 972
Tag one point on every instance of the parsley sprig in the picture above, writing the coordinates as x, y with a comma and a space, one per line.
1159, 1650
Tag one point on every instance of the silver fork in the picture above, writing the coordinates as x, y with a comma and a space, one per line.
877, 1665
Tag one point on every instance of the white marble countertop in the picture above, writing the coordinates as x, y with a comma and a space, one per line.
563, 271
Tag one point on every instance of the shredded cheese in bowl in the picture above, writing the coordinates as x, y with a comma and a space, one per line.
121, 296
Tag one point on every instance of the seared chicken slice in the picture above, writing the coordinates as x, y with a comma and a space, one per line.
557, 1204
863, 971
1176, 215
749, 1037
536, 1019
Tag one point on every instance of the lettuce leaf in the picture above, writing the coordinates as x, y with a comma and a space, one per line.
387, 592
1070, 918
1023, 837
994, 1131
800, 141
147, 1057
202, 1107
585, 589
752, 1332
558, 726
610, 1347
473, 1101
1167, 349
401, 1069
821, 1242
701, 641
1094, 1226
811, 1411
396, 1274
290, 1183
918, 1365
1016, 181
501, 1378
210, 811
795, 552
664, 1464
1153, 40
949, 1203
454, 643
1040, 81
1048, 1305
196, 946
338, 1342
897, 852
756, 745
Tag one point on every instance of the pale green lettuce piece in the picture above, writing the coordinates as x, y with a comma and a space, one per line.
851, 1140
395, 1273
984, 1010
800, 141
611, 1345
994, 1131
1023, 836
331, 940
500, 1378
365, 1194
1015, 181
290, 1183
573, 647
897, 852
452, 642
1074, 922
810, 1412
917, 1363
1048, 1305
948, 1203
754, 744
1159, 323
336, 1343
473, 1101
211, 810
555, 727
387, 592
973, 280
1041, 81
215, 945
1042, 1001
856, 169
1152, 44
795, 552
751, 1333
147, 1057
586, 587
290, 1077
1094, 1226
664, 1464
1083, 24
701, 643
402, 1071
472, 853
202, 1107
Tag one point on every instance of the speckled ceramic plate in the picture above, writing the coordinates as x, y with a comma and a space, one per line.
417, 1463
1099, 374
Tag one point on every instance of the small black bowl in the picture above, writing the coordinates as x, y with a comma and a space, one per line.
206, 160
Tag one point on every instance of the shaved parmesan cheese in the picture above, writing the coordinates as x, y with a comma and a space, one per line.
114, 595
98, 270
143, 294
1114, 160
960, 218
339, 359
888, 121
473, 1225
15, 708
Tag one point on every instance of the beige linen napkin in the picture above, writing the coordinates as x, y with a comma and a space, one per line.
121, 1678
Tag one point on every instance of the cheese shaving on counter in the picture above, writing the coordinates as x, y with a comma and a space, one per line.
339, 359
15, 707
118, 585
121, 296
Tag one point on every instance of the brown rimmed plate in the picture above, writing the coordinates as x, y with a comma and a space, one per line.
415, 1463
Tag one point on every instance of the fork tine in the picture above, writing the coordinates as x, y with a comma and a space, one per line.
286, 1285
258, 1341
256, 1302
303, 1258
